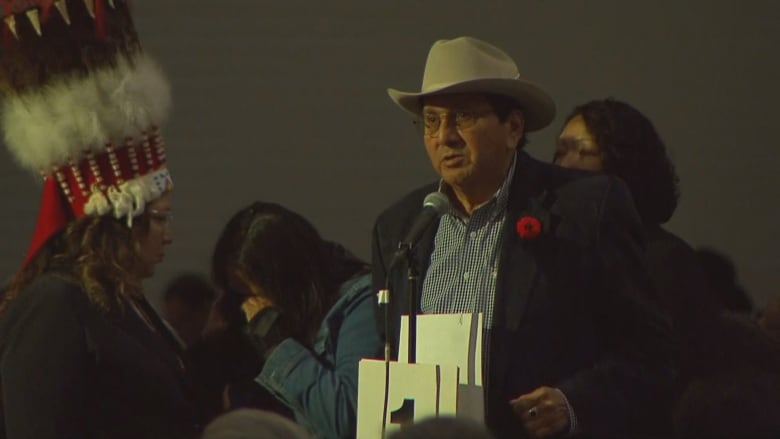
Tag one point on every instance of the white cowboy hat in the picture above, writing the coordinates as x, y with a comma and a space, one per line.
468, 65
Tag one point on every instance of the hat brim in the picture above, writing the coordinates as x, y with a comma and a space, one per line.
538, 107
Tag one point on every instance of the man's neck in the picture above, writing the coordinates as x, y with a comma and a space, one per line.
470, 197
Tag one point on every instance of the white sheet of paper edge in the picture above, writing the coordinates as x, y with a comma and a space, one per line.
447, 339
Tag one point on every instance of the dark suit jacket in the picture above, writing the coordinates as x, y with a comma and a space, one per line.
679, 279
70, 370
572, 305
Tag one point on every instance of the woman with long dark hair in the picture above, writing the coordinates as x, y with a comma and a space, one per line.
82, 353
310, 312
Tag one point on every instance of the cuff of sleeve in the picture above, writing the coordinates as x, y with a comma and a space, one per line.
572, 416
279, 364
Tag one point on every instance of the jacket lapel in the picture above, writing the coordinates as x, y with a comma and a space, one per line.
517, 270
517, 275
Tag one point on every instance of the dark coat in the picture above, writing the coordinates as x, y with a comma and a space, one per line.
679, 279
71, 371
574, 306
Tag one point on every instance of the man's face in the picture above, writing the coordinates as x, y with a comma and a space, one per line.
467, 144
577, 149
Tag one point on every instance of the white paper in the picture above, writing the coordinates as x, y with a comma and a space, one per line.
446, 378
447, 339
433, 388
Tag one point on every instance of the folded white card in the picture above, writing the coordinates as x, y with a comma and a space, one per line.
426, 390
447, 339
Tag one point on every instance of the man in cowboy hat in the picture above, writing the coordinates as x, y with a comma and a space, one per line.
550, 256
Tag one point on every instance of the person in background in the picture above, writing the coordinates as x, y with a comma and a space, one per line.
309, 313
698, 288
722, 283
735, 391
612, 137
253, 424
82, 352
187, 302
223, 364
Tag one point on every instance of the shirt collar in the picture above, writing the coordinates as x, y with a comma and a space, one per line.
496, 204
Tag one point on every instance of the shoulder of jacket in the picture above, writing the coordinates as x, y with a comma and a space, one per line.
355, 287
410, 202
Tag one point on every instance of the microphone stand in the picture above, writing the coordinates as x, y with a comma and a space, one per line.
404, 251
412, 278
383, 295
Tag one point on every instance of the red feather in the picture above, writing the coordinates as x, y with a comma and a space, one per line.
100, 19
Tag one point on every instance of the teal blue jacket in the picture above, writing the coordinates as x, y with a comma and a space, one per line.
320, 385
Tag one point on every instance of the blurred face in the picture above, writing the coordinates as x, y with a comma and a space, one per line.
577, 149
187, 319
152, 245
467, 144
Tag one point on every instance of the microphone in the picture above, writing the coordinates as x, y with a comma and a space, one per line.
434, 206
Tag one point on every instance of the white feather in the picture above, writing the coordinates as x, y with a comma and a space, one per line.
46, 127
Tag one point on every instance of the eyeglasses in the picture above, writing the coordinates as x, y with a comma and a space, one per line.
464, 119
163, 217
583, 147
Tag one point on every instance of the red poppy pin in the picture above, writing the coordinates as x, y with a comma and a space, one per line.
528, 227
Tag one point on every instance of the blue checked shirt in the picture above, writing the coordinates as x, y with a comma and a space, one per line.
464, 263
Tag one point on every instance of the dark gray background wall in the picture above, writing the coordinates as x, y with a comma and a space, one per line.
285, 101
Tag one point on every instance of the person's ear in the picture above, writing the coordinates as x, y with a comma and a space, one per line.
516, 128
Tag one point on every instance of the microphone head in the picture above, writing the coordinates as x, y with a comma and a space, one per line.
437, 201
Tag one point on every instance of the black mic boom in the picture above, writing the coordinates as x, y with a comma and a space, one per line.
434, 206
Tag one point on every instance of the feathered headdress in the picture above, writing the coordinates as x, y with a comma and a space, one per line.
81, 106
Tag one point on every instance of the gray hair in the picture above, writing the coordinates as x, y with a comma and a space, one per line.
253, 424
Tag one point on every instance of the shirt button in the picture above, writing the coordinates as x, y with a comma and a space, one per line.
466, 276
473, 235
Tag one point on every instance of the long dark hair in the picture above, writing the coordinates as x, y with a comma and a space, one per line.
100, 253
279, 251
634, 151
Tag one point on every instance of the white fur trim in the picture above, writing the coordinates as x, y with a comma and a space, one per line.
97, 204
130, 198
121, 201
46, 127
